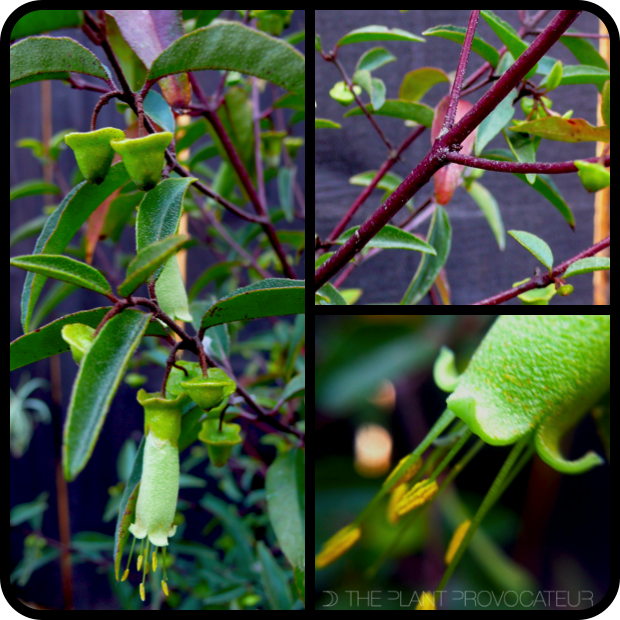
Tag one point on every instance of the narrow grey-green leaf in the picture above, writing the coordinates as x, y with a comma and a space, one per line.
65, 269
488, 205
535, 245
374, 59
272, 297
440, 237
322, 123
273, 579
286, 502
391, 238
583, 51
457, 34
508, 36
99, 376
148, 261
377, 33
492, 125
407, 110
62, 226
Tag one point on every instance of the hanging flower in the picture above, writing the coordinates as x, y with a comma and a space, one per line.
159, 487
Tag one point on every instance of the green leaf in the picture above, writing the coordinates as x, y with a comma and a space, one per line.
400, 109
48, 341
374, 59
171, 292
99, 376
330, 296
488, 205
392, 238
274, 580
234, 47
377, 33
317, 42
564, 130
543, 184
535, 245
492, 125
65, 269
583, 51
286, 502
149, 260
537, 296
49, 58
457, 34
440, 237
417, 83
272, 297
581, 74
555, 77
321, 123
508, 36
605, 109
587, 265
62, 226
38, 22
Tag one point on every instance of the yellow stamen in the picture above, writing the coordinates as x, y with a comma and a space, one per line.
427, 601
337, 546
457, 539
393, 480
421, 493
142, 593
397, 494
154, 561
140, 559
125, 575
164, 587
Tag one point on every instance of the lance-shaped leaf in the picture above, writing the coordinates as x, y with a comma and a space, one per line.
286, 501
38, 22
62, 226
323, 123
101, 371
508, 36
391, 238
149, 260
564, 129
457, 34
65, 269
377, 33
234, 47
48, 340
587, 265
272, 297
407, 110
440, 237
417, 83
51, 58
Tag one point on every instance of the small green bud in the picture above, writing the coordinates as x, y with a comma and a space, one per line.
209, 392
220, 443
593, 176
80, 338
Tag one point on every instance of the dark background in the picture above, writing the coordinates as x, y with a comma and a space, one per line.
476, 268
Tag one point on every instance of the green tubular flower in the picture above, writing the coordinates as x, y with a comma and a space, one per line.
220, 443
211, 391
93, 152
159, 487
144, 158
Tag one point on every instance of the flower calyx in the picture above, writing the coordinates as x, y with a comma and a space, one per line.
93, 152
144, 158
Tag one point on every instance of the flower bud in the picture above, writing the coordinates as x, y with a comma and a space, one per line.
93, 152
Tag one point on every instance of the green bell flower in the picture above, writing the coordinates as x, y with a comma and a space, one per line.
173, 386
220, 443
93, 152
212, 391
159, 487
80, 338
144, 158
594, 177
